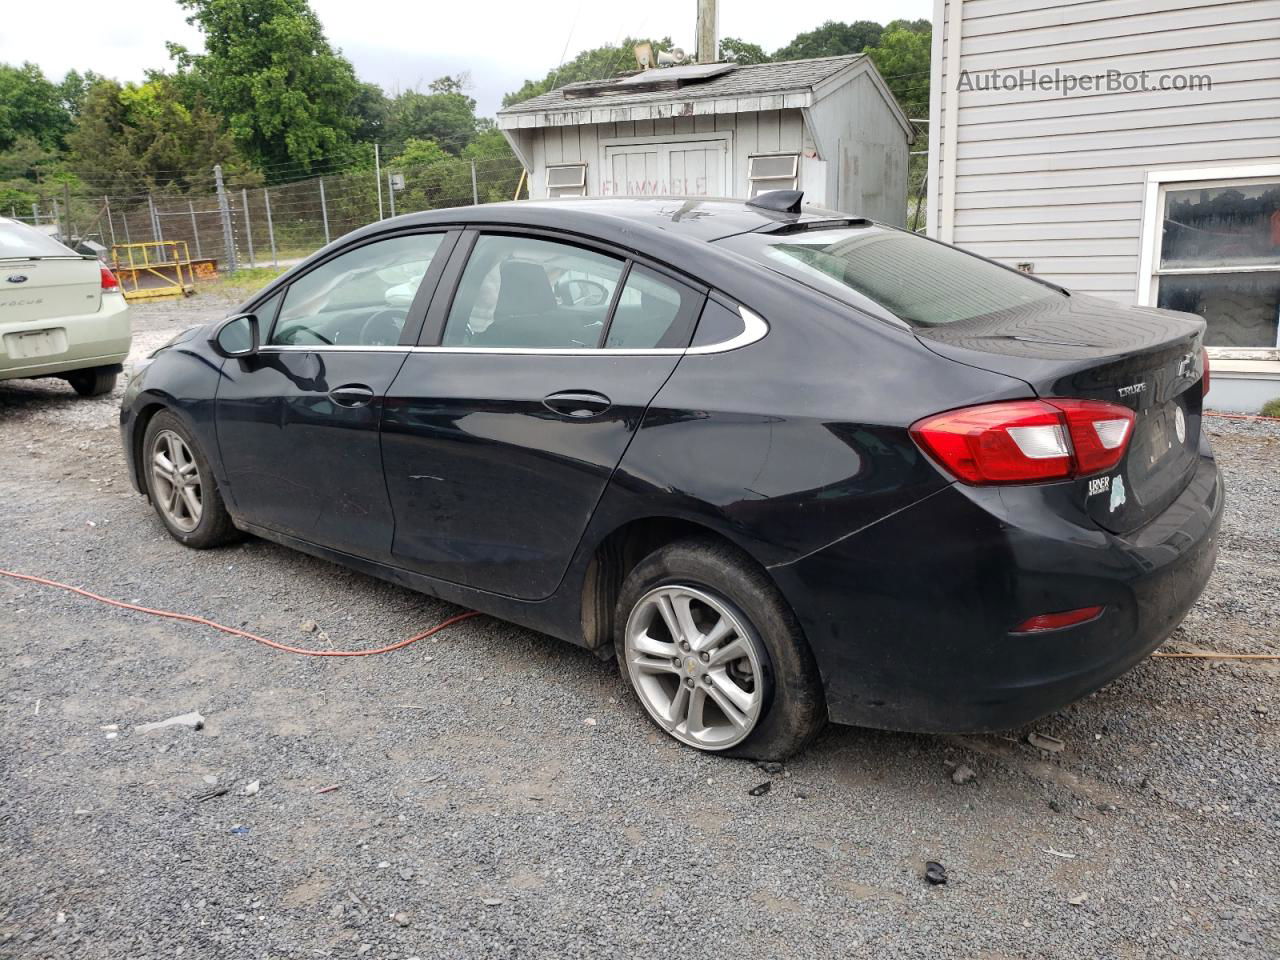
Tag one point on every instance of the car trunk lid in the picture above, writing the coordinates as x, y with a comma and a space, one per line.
1147, 360
48, 288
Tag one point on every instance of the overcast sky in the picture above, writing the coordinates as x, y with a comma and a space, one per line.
401, 44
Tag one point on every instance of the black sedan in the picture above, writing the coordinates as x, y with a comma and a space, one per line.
786, 466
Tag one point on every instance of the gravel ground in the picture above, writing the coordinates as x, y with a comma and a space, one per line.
500, 794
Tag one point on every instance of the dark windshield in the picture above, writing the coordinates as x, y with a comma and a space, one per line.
926, 284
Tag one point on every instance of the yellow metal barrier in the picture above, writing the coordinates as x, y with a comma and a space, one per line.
159, 268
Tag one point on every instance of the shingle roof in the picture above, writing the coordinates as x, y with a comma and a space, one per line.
740, 81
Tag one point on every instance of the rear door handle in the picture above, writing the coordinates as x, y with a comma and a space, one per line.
579, 404
352, 395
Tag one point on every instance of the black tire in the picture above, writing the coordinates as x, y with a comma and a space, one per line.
93, 382
214, 527
794, 709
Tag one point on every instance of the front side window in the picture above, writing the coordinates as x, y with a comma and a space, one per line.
361, 298
927, 284
1219, 257
532, 293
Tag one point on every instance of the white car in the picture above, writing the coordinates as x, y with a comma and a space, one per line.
61, 314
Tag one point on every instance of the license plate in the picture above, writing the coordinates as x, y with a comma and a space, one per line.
36, 343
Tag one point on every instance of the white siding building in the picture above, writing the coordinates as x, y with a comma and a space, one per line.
1124, 148
829, 127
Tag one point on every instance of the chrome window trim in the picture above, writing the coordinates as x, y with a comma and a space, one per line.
754, 328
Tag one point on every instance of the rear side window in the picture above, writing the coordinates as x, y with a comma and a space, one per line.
652, 311
927, 284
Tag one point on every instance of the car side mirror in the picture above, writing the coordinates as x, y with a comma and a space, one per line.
236, 336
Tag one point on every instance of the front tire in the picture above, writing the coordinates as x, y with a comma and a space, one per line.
93, 382
181, 486
714, 654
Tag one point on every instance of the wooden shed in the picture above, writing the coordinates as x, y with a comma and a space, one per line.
829, 127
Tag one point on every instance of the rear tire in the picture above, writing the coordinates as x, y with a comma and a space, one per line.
93, 382
723, 605
181, 487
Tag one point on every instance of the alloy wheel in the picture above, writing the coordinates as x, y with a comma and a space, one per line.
176, 482
695, 665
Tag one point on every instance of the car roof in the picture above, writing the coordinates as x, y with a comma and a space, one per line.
697, 218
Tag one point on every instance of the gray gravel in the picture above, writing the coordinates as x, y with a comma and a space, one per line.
500, 795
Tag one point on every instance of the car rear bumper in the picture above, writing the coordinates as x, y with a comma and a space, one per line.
910, 619
94, 339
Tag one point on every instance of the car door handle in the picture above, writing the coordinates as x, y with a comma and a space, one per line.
351, 395
579, 404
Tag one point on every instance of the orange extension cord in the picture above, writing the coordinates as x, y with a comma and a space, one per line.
457, 618
189, 618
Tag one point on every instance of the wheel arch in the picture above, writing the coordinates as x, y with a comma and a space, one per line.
618, 552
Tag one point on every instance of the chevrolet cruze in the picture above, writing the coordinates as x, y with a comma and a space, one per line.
787, 466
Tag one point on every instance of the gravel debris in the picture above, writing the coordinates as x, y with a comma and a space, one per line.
630, 828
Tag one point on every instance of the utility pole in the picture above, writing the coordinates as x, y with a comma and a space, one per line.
391, 193
224, 208
377, 175
708, 32
475, 193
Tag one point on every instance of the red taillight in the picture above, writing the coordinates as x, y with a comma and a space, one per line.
1027, 441
1204, 380
109, 281
1056, 621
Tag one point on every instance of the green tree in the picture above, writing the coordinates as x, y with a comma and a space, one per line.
599, 63
371, 109
447, 117
832, 39
134, 138
285, 93
739, 51
74, 88
30, 106
902, 57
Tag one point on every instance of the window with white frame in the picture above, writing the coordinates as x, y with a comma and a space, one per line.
1216, 253
567, 180
776, 172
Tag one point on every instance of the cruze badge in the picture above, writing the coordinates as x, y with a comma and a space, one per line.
1132, 389
17, 278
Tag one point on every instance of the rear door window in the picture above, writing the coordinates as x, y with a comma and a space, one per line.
652, 311
527, 292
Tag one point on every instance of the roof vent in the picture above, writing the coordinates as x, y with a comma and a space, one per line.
780, 201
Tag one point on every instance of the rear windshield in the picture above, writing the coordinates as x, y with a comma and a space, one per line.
19, 240
926, 284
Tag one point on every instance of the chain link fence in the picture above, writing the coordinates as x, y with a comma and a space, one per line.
241, 226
